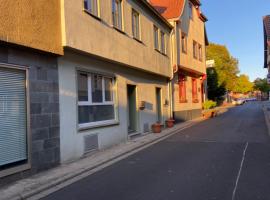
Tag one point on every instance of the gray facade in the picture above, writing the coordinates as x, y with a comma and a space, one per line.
44, 107
185, 115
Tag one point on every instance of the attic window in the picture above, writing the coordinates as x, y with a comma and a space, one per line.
190, 6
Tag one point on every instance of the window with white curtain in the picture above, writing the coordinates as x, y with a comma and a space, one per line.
117, 14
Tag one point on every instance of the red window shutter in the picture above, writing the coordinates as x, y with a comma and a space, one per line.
182, 88
194, 90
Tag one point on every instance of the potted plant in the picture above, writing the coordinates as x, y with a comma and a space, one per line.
170, 122
209, 110
156, 127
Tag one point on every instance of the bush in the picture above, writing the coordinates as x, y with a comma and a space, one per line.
209, 104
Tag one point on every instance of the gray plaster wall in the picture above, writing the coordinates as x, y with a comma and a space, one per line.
44, 107
185, 115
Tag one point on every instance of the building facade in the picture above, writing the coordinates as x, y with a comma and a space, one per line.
266, 31
30, 42
90, 74
114, 75
188, 58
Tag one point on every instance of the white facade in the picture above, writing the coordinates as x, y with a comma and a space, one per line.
71, 137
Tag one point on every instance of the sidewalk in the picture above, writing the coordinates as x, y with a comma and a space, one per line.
266, 110
44, 183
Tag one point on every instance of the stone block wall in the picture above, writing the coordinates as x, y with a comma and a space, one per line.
44, 107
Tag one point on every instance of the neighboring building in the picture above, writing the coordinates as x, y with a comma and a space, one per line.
188, 49
30, 35
266, 31
114, 76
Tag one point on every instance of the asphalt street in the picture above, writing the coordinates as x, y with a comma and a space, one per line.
225, 158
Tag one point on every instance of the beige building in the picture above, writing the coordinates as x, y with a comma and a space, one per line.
114, 75
188, 55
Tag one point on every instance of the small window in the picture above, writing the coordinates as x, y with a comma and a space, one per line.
136, 24
91, 6
162, 42
195, 51
156, 43
190, 10
95, 99
182, 88
184, 42
194, 91
117, 14
200, 52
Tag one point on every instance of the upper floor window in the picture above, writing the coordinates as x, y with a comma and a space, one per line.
117, 13
195, 50
156, 43
162, 42
136, 24
200, 52
91, 6
184, 42
190, 6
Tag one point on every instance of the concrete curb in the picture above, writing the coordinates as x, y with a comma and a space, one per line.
45, 183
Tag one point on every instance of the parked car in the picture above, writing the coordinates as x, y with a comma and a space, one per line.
238, 101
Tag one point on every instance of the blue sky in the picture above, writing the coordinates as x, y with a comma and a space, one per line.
238, 25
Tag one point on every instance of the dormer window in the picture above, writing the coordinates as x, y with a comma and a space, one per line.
190, 6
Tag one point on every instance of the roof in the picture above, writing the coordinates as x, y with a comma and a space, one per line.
266, 28
156, 12
169, 8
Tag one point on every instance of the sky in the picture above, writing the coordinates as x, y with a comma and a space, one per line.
237, 24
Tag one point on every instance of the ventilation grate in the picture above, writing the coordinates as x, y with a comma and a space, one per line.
90, 143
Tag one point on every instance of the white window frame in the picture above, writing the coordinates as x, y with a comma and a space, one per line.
162, 48
90, 4
104, 102
136, 29
117, 21
156, 37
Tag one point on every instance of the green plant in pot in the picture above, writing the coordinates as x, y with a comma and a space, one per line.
209, 110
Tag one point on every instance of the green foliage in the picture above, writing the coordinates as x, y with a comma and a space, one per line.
209, 104
224, 75
243, 85
261, 85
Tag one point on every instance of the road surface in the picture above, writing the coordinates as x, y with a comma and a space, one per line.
225, 158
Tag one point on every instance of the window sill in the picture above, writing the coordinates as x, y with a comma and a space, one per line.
183, 101
15, 169
164, 54
195, 101
92, 15
138, 40
83, 127
119, 30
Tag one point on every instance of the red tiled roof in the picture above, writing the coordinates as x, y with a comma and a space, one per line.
169, 8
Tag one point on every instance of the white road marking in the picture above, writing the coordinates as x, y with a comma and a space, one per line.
239, 172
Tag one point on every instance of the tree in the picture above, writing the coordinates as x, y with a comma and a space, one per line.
261, 85
243, 85
225, 70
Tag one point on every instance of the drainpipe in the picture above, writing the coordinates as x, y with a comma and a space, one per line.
174, 59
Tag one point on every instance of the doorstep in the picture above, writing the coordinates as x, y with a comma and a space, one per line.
47, 182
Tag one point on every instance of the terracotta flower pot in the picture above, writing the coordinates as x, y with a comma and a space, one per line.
156, 128
170, 123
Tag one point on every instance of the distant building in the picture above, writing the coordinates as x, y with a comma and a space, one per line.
266, 31
189, 42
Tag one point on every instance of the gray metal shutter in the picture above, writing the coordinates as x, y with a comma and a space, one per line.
13, 124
